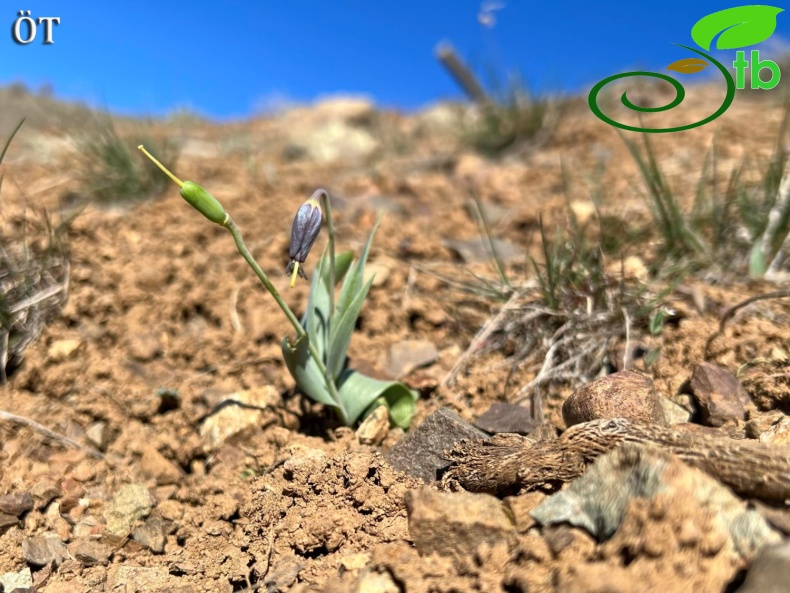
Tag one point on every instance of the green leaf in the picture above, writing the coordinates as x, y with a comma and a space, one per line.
657, 322
757, 260
341, 330
317, 312
305, 371
358, 392
353, 281
739, 27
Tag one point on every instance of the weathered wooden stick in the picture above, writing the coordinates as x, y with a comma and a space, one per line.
461, 73
510, 462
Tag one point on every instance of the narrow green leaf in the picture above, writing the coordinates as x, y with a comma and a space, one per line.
757, 265
739, 26
341, 330
353, 281
305, 371
358, 392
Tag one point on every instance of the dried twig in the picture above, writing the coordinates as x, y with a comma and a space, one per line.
508, 463
40, 428
728, 314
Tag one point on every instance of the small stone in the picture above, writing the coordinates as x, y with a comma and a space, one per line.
768, 571
718, 395
151, 535
477, 250
421, 452
778, 433
409, 355
130, 504
14, 581
97, 434
71, 492
625, 394
144, 347
374, 428
674, 413
62, 349
44, 491
156, 466
355, 562
90, 552
7, 521
84, 472
170, 510
377, 582
43, 550
380, 272
230, 419
454, 524
16, 504
509, 418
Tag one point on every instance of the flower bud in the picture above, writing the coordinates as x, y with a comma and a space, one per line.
304, 231
203, 202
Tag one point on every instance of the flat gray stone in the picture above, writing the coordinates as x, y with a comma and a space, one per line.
769, 570
421, 452
507, 418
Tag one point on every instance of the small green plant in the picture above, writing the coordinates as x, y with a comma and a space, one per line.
109, 170
317, 358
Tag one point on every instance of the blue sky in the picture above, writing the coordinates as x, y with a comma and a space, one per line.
231, 59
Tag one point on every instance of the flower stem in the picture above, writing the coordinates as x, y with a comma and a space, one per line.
330, 227
245, 253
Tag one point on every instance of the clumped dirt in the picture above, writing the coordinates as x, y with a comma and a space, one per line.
164, 320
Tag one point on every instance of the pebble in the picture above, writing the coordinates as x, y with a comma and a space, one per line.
718, 395
421, 452
769, 570
625, 394
156, 466
374, 428
16, 504
43, 550
130, 504
507, 418
90, 552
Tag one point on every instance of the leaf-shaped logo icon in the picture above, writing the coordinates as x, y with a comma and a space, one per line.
739, 26
688, 65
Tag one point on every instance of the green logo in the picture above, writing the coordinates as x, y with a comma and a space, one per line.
736, 27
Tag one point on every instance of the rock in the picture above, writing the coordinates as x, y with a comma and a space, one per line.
421, 452
97, 434
625, 394
14, 581
156, 466
377, 582
408, 355
44, 491
170, 510
333, 129
130, 504
510, 418
90, 552
476, 250
375, 428
43, 550
674, 413
144, 347
778, 433
151, 535
62, 349
599, 500
769, 570
718, 395
230, 419
7, 521
455, 524
16, 504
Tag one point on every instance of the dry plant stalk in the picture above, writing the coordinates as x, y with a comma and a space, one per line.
508, 463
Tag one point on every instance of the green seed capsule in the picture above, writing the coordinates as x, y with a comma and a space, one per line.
203, 202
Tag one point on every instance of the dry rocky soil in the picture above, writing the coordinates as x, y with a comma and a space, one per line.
162, 487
